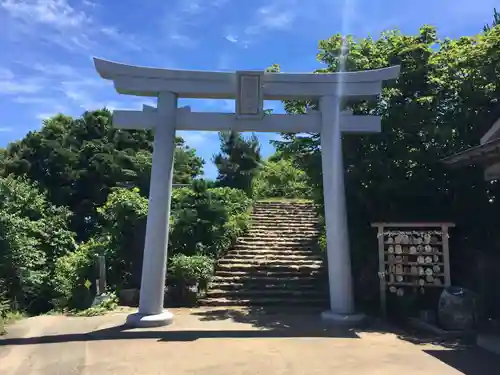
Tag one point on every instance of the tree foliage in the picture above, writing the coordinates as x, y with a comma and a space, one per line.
33, 234
446, 98
238, 161
203, 222
78, 161
496, 21
281, 178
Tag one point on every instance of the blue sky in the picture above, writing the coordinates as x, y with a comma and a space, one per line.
47, 46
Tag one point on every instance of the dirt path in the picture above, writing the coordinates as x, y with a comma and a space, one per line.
220, 342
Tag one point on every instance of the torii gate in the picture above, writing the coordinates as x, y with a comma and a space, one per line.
249, 89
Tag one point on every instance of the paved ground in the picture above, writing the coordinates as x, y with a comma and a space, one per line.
220, 342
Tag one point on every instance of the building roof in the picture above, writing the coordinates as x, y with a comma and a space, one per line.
493, 133
485, 154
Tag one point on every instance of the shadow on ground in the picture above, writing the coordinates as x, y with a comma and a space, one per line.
460, 354
272, 325
469, 360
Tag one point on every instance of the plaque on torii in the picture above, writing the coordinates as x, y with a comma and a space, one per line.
249, 96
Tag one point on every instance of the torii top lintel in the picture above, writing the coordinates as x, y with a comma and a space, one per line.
145, 81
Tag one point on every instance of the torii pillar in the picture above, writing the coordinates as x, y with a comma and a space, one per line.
249, 89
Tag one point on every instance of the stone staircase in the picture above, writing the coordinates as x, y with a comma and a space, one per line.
277, 262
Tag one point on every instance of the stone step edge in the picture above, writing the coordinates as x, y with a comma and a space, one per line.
261, 302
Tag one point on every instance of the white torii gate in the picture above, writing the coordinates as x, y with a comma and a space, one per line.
249, 89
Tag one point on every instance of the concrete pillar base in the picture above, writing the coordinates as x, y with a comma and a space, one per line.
138, 320
345, 320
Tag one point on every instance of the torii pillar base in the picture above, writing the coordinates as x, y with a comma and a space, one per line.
138, 320
343, 320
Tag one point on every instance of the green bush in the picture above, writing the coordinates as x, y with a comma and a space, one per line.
33, 234
204, 221
207, 221
4, 306
123, 227
281, 179
70, 274
108, 303
190, 270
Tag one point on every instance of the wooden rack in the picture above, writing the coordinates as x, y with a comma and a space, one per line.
412, 255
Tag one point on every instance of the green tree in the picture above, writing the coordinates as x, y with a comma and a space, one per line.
238, 161
33, 234
187, 165
281, 178
78, 161
123, 218
445, 99
496, 21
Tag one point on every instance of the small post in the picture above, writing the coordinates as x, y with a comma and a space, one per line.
101, 281
381, 270
446, 254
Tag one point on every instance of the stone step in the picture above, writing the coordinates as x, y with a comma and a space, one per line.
276, 241
242, 279
262, 286
276, 262
278, 225
267, 269
285, 212
274, 248
267, 214
283, 215
278, 236
270, 252
283, 231
270, 272
257, 211
257, 256
281, 236
286, 249
285, 204
265, 301
285, 219
287, 261
259, 293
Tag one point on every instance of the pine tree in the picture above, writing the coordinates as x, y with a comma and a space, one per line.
238, 161
496, 21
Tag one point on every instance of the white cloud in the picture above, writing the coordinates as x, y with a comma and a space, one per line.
59, 22
192, 6
194, 138
231, 38
90, 4
183, 19
6, 74
10, 84
58, 70
277, 15
6, 129
57, 13
47, 115
181, 39
124, 40
32, 100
